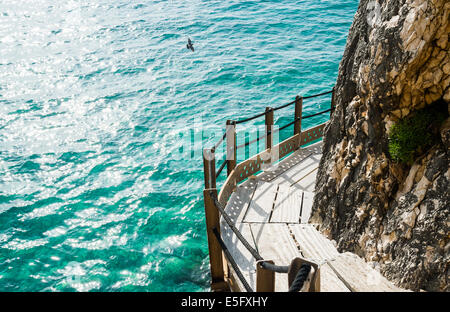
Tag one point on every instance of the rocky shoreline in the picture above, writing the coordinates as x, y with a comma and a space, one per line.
396, 216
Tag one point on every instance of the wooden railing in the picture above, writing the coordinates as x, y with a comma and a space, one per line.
237, 172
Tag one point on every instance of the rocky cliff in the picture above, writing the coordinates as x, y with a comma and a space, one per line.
395, 215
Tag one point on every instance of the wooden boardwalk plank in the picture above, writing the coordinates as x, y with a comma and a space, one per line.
267, 211
292, 175
313, 245
291, 161
261, 205
318, 249
275, 243
287, 205
306, 206
359, 275
240, 199
307, 181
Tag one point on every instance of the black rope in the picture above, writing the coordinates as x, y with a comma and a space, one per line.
254, 252
283, 106
268, 133
289, 124
301, 277
275, 268
250, 118
227, 219
221, 168
251, 142
284, 127
220, 141
281, 128
320, 94
280, 107
231, 260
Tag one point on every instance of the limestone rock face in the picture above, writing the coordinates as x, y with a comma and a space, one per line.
396, 61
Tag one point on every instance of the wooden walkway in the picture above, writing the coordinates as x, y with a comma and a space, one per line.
272, 210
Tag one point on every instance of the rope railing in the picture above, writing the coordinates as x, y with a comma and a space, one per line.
215, 207
282, 128
282, 106
219, 142
252, 141
221, 168
250, 118
269, 132
255, 254
300, 278
233, 263
319, 94
275, 109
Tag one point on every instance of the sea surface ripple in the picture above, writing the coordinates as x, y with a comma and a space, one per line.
97, 98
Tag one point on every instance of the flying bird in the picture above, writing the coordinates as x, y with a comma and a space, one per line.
190, 45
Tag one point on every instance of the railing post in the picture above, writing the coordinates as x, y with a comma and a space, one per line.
231, 146
269, 127
215, 251
209, 168
265, 279
298, 118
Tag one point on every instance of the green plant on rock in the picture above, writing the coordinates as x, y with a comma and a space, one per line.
411, 136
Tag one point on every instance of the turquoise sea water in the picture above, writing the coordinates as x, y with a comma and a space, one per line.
102, 110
